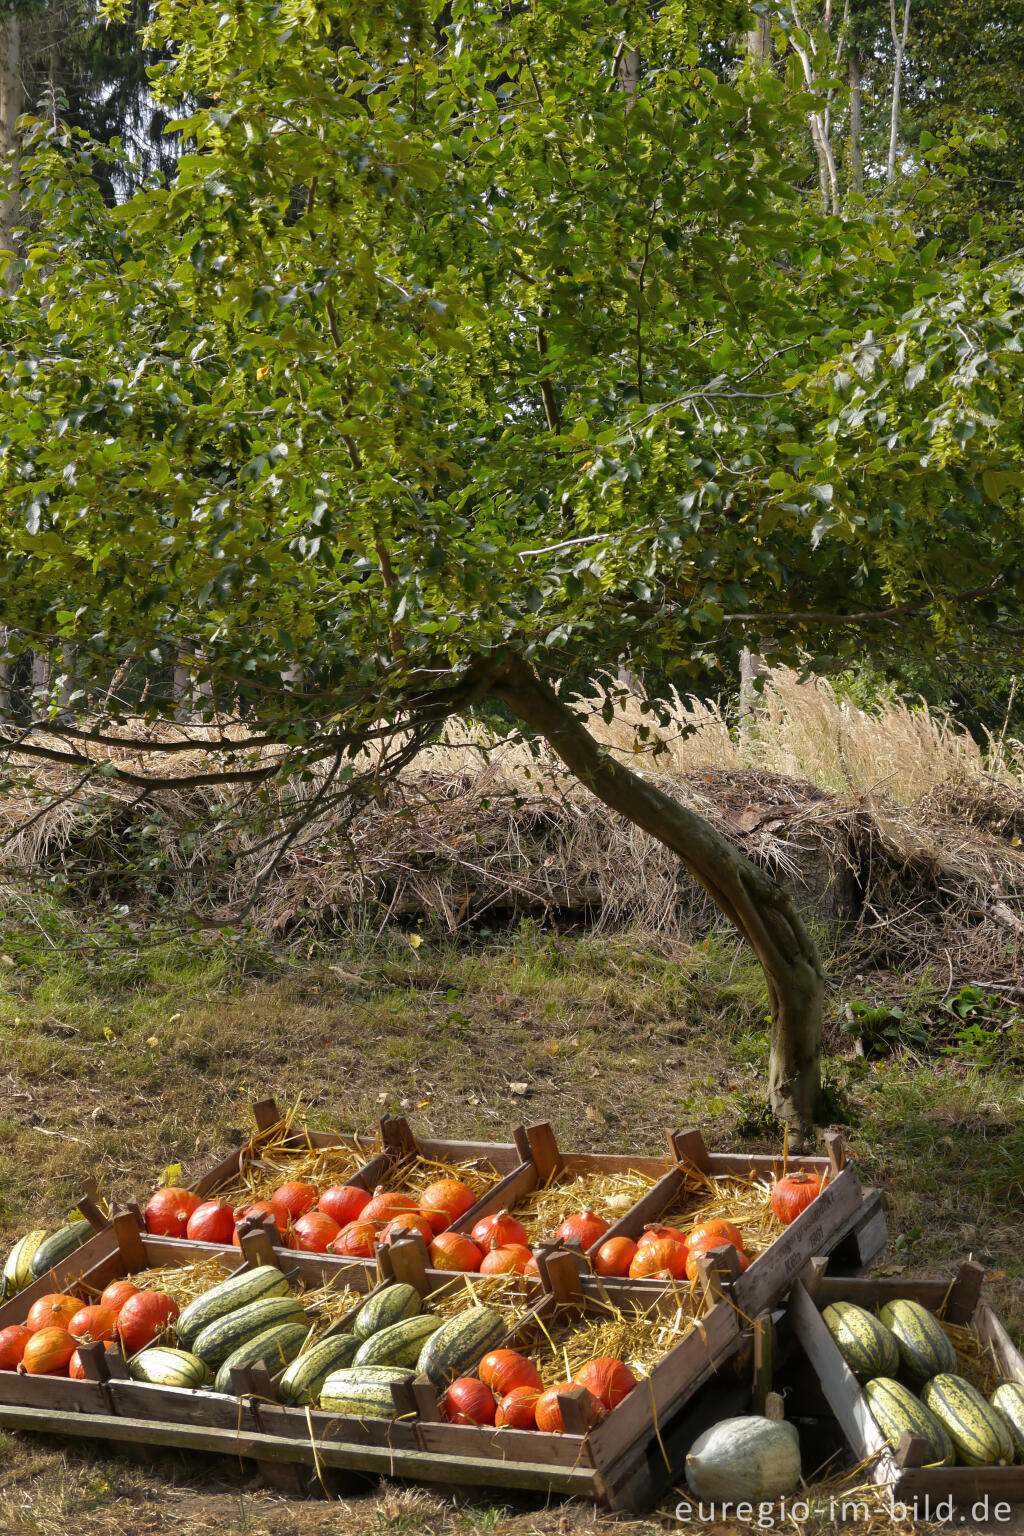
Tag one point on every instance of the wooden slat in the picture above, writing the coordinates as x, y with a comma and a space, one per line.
56, 1393
965, 1292
991, 1331
129, 1241
266, 1114
964, 1485
499, 1445
838, 1382
688, 1147
762, 1361
544, 1150
179, 1405
875, 1290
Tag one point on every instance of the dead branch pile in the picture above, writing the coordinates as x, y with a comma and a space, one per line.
925, 868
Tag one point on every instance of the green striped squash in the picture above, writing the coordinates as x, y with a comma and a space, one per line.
18, 1264
364, 1393
305, 1376
60, 1245
275, 1348
392, 1304
400, 1344
252, 1285
925, 1351
166, 1367
1008, 1401
220, 1339
979, 1433
866, 1345
460, 1343
895, 1409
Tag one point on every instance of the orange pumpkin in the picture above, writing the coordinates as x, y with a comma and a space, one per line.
615, 1256
54, 1310
356, 1241
794, 1194
76, 1370
92, 1324
725, 1231
499, 1229
654, 1234
315, 1231
453, 1250
143, 1318
706, 1245
168, 1210
117, 1293
211, 1222
404, 1226
468, 1401
47, 1352
512, 1259
12, 1345
386, 1204
663, 1259
518, 1409
343, 1203
444, 1201
548, 1412
586, 1229
294, 1199
608, 1379
503, 1370
264, 1208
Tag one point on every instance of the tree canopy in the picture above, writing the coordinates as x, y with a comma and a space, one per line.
509, 334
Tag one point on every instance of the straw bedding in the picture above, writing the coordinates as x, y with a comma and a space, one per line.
566, 1341
609, 1195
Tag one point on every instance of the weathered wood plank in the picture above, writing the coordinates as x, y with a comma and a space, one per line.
838, 1382
811, 1233
252, 1445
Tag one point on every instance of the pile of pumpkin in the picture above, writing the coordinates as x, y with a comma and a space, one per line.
348, 1221
58, 1324
933, 1400
508, 1390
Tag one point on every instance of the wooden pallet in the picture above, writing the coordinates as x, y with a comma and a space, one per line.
958, 1301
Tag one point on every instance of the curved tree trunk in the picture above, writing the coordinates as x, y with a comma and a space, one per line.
765, 915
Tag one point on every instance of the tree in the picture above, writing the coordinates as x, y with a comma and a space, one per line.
446, 368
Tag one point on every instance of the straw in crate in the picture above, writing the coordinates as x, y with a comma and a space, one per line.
566, 1194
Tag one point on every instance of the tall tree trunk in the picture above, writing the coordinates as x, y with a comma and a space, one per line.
765, 915
751, 668
899, 43
11, 108
6, 678
856, 112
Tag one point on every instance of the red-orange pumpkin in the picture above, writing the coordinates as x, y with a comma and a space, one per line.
655, 1234
725, 1231
533, 1268
168, 1210
499, 1229
403, 1226
13, 1340
76, 1370
315, 1231
117, 1293
47, 1352
701, 1249
468, 1401
54, 1310
518, 1409
549, 1414
143, 1318
608, 1379
511, 1259
386, 1204
294, 1199
265, 1208
344, 1202
505, 1369
444, 1201
794, 1194
356, 1241
662, 1259
211, 1222
586, 1229
453, 1250
615, 1256
92, 1324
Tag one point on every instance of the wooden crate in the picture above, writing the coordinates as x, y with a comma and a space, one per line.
957, 1300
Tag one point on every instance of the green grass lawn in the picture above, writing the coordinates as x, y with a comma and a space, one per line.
119, 1059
